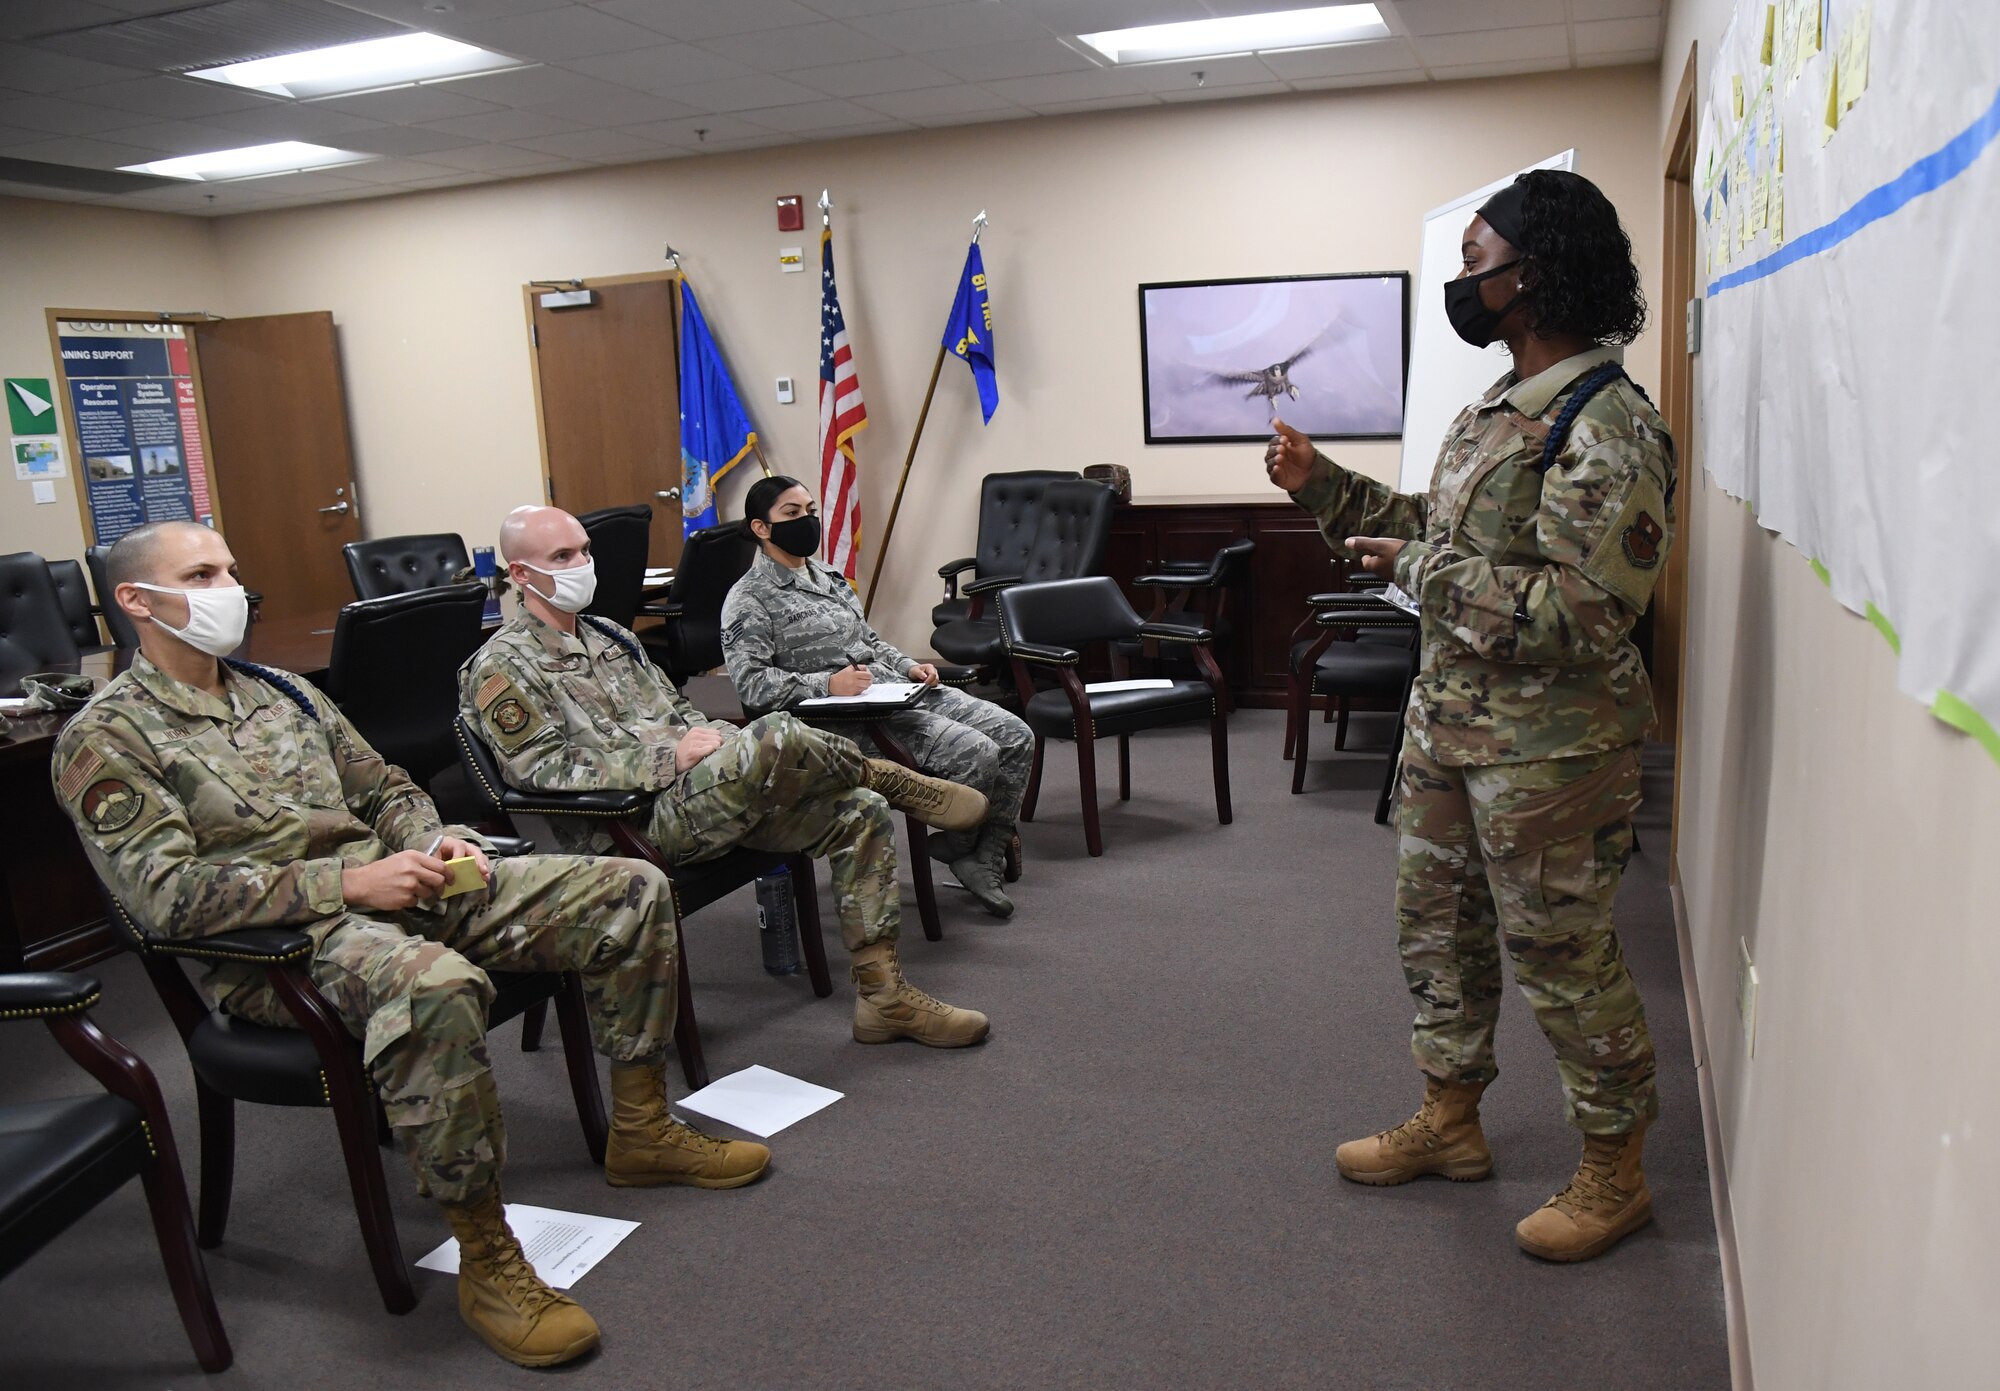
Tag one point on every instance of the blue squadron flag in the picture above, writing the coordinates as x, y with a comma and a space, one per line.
716, 435
968, 334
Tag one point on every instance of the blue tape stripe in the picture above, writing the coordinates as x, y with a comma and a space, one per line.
1931, 172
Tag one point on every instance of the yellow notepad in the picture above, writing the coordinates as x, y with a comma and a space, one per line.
465, 877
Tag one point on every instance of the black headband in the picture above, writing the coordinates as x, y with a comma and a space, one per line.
1503, 213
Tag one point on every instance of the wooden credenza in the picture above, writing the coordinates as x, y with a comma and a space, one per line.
1292, 561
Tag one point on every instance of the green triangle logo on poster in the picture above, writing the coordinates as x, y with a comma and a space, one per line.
31, 406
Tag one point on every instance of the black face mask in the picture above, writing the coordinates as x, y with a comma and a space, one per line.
799, 536
1469, 316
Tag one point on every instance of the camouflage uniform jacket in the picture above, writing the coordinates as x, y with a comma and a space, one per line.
785, 631
582, 712
1528, 583
205, 814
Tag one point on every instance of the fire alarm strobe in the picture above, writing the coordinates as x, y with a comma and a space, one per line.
791, 213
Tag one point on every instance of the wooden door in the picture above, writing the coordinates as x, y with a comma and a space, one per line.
281, 456
607, 390
1677, 287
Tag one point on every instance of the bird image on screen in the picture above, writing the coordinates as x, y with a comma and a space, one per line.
1326, 353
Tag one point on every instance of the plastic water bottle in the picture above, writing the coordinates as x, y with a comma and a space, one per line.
778, 923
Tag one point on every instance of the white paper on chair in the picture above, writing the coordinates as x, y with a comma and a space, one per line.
659, 572
1143, 683
561, 1246
759, 1101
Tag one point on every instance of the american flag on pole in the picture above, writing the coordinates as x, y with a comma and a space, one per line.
841, 414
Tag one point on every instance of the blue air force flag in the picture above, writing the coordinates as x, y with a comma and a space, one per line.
716, 435
968, 334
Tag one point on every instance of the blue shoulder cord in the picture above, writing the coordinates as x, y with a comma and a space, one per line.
616, 634
283, 683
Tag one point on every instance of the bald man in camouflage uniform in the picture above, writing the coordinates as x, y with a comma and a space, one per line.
217, 795
1521, 768
786, 630
569, 703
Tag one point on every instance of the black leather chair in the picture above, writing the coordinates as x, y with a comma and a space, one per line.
394, 672
1072, 531
399, 564
61, 1158
34, 635
79, 615
117, 626
1193, 594
318, 1063
695, 886
1009, 509
1379, 663
1049, 627
620, 538
689, 642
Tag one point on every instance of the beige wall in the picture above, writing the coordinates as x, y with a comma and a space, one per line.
60, 255
426, 287
1833, 824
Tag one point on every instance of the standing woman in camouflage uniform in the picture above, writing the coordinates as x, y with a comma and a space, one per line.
1530, 558
792, 630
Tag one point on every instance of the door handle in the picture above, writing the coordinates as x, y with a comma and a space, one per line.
668, 495
338, 507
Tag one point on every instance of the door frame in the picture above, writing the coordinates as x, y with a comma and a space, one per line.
1677, 289
528, 293
79, 485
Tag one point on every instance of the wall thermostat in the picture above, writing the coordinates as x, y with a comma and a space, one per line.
784, 391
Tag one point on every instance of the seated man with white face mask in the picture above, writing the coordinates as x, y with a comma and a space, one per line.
212, 795
569, 703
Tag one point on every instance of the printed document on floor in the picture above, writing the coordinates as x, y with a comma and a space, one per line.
759, 1101
561, 1246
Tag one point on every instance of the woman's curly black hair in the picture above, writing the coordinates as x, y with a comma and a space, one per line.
1579, 275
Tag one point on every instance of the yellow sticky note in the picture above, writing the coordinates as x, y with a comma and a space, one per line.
1777, 211
1760, 199
1770, 32
1856, 81
1736, 87
465, 877
1830, 114
1780, 140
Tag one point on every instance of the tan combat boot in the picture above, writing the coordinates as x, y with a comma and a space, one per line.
1607, 1201
1442, 1138
502, 1299
649, 1147
949, 806
887, 1007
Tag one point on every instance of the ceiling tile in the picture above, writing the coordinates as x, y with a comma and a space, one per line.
495, 126
899, 74
1583, 11
1028, 58
1548, 41
1191, 93
1040, 92
1363, 79
293, 185
178, 98
541, 85
21, 19
660, 69
293, 120
37, 70
1072, 108
622, 106
1343, 60
848, 9
486, 157
1427, 17
593, 144
403, 140
59, 116
575, 31
85, 150
424, 14
799, 46
205, 198
395, 171
15, 135
709, 19
687, 132
950, 26
1618, 60
936, 102
1503, 69
408, 105
810, 116
178, 137
744, 93
1617, 35
1089, 16
977, 118
1238, 71
878, 127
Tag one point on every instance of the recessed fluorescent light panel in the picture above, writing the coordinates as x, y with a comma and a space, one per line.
250, 162
1250, 33
359, 67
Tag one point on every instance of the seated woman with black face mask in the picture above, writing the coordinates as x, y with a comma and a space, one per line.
792, 630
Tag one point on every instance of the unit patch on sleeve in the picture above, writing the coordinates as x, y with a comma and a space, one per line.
509, 716
1641, 541
111, 805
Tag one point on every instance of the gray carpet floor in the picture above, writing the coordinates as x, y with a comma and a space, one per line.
1129, 1185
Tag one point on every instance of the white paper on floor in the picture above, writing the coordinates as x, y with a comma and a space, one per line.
759, 1101
561, 1246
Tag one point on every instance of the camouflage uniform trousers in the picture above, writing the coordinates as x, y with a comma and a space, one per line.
1533, 852
413, 987
780, 784
967, 740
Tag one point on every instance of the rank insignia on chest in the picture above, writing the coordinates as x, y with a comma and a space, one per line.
111, 805
1642, 541
509, 716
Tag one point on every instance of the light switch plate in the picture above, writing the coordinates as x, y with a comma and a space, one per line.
45, 491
